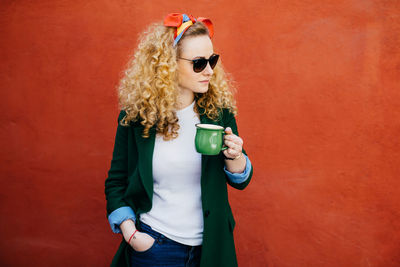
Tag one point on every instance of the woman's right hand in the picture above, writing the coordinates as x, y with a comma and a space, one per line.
142, 242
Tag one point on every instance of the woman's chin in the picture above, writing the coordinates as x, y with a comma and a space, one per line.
202, 89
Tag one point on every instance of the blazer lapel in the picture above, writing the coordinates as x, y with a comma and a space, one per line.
204, 158
145, 148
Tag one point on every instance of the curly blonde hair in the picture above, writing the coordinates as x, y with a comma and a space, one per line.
148, 91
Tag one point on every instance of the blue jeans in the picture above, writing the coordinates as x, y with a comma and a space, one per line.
165, 252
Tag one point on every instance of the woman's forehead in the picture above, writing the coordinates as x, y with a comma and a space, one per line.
197, 46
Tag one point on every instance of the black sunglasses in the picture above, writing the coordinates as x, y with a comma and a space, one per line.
199, 64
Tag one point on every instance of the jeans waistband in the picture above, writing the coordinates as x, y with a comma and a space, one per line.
158, 236
147, 229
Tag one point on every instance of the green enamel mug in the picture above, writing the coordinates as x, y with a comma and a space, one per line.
209, 139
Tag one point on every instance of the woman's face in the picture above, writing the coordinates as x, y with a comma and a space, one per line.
192, 48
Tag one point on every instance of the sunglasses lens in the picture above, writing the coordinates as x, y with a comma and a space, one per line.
213, 60
199, 64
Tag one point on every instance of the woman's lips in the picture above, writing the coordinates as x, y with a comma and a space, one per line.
205, 81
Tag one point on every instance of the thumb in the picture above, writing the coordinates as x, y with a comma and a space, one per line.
228, 130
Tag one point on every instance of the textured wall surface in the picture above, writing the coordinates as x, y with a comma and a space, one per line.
319, 111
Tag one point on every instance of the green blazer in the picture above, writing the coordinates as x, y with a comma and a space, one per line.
130, 183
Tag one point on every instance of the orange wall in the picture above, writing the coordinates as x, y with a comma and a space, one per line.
319, 111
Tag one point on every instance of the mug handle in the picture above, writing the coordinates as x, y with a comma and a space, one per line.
224, 147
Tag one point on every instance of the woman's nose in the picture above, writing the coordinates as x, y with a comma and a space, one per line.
208, 70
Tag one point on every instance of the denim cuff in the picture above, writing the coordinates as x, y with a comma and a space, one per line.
118, 216
238, 178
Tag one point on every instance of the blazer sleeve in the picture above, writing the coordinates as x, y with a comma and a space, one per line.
116, 182
230, 121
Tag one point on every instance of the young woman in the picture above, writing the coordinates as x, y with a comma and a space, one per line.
170, 202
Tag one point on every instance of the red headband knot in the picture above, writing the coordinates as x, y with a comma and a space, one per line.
182, 22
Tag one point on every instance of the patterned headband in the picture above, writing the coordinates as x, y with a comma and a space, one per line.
182, 22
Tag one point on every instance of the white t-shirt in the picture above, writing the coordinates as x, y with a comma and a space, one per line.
177, 209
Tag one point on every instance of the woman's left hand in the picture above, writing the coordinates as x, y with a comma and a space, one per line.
234, 144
